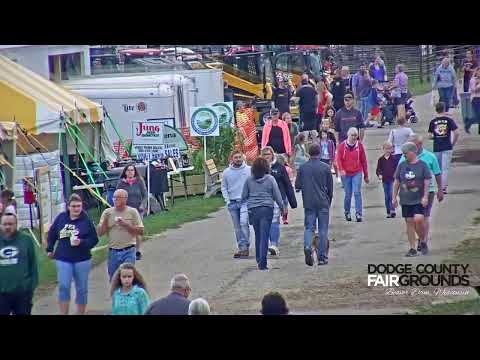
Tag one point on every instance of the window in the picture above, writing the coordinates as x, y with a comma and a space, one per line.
68, 66
282, 63
297, 63
315, 65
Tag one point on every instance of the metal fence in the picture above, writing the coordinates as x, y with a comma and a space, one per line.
420, 60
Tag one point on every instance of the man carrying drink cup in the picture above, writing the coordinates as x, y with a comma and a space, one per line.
122, 224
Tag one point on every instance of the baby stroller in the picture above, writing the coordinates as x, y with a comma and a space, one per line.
409, 111
387, 107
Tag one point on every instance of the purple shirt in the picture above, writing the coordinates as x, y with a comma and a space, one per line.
401, 80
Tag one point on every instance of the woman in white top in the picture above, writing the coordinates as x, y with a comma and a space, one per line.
399, 136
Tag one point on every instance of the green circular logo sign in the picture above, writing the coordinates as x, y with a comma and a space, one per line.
204, 121
225, 114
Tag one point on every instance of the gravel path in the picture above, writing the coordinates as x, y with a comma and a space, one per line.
203, 250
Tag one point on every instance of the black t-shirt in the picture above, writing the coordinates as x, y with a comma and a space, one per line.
308, 100
281, 99
338, 91
345, 119
441, 127
275, 140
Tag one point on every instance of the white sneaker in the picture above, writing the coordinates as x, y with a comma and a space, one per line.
339, 180
274, 250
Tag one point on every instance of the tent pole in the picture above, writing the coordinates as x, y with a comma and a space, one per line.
66, 160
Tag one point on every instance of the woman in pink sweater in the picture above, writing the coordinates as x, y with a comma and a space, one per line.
276, 134
352, 162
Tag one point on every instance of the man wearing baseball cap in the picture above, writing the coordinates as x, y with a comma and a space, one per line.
412, 178
348, 117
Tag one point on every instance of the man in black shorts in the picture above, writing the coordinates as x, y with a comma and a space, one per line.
412, 178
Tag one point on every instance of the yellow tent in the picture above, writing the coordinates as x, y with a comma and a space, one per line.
36, 103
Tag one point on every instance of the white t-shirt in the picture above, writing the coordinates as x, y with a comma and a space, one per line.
398, 137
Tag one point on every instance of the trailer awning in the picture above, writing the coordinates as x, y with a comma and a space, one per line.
36, 103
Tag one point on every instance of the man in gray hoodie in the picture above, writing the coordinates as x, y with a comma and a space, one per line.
233, 179
445, 80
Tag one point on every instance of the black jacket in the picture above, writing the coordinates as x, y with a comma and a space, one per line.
280, 174
314, 178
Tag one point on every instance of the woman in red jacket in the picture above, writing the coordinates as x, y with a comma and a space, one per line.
351, 163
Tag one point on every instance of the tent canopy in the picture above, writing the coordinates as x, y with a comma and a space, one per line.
36, 103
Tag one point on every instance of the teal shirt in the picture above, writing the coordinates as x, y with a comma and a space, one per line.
430, 159
135, 302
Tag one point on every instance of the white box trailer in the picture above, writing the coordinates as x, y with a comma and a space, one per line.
165, 97
129, 100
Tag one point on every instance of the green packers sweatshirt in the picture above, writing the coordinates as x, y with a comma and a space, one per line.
18, 264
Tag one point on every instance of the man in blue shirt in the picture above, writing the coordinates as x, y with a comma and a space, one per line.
432, 163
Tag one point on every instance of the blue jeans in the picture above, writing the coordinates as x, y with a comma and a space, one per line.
388, 192
118, 257
78, 272
352, 184
311, 218
239, 214
275, 227
364, 108
261, 219
445, 95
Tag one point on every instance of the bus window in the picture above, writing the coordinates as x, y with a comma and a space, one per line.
315, 66
297, 63
281, 63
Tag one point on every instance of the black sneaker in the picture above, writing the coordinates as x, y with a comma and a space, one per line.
138, 255
308, 257
348, 217
358, 217
411, 253
392, 215
322, 262
423, 247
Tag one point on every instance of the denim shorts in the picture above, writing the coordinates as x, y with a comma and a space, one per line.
78, 273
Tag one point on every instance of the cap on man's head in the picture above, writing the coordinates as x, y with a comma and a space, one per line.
348, 96
274, 111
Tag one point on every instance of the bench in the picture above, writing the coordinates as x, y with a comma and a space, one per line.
213, 178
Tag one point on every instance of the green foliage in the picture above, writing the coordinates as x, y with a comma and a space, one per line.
218, 149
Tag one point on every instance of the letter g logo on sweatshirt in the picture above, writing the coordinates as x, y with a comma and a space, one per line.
8, 255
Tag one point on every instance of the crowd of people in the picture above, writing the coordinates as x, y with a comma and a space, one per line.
329, 139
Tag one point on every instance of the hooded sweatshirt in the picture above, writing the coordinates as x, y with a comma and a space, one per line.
18, 264
60, 232
233, 180
444, 77
353, 159
261, 192
279, 172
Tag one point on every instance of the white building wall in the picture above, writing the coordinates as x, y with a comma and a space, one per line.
35, 57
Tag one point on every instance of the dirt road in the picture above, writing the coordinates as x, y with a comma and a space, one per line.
203, 249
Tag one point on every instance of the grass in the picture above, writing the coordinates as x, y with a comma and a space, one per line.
467, 252
457, 308
185, 210
417, 88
